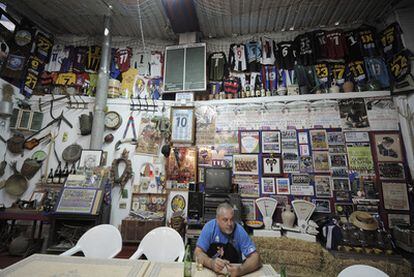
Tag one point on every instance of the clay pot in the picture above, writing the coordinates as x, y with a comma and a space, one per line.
334, 88
288, 217
348, 86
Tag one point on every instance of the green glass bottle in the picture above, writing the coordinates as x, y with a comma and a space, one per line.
187, 261
283, 271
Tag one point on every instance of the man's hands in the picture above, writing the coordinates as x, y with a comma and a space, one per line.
218, 265
234, 270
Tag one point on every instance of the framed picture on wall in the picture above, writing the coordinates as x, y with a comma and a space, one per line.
271, 142
90, 158
282, 186
246, 164
182, 125
249, 142
271, 165
395, 196
398, 219
388, 147
268, 185
322, 206
248, 209
318, 139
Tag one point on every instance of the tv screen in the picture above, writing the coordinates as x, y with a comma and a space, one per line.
217, 179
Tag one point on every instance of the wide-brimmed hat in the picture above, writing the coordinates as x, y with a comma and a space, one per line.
72, 153
363, 220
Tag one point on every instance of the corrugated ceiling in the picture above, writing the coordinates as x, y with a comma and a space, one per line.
216, 18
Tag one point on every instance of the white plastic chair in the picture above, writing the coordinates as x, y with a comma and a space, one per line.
360, 270
102, 241
162, 244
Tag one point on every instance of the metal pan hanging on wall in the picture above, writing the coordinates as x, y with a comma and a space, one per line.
72, 153
16, 184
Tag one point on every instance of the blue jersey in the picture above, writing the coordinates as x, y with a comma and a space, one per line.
377, 70
211, 234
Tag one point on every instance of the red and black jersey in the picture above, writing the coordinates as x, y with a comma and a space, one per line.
357, 71
336, 45
321, 50
123, 58
268, 51
369, 43
306, 49
79, 58
232, 85
353, 43
286, 55
391, 40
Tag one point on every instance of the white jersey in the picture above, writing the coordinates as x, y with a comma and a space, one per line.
156, 64
56, 58
268, 51
238, 57
141, 60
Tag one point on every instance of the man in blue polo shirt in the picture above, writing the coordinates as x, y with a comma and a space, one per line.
223, 244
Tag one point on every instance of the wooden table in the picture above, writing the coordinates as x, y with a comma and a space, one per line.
29, 215
41, 265
158, 269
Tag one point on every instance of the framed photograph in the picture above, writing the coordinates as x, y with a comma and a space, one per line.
303, 138
76, 200
391, 171
338, 160
182, 165
398, 219
335, 138
320, 161
271, 165
322, 206
182, 125
341, 184
271, 142
318, 139
370, 189
388, 147
248, 185
323, 186
152, 202
90, 158
268, 185
300, 179
39, 196
177, 202
282, 186
395, 196
353, 113
248, 209
205, 156
304, 150
356, 136
342, 196
246, 164
344, 209
249, 142
150, 137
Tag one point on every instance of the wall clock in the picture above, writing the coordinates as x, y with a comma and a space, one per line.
113, 120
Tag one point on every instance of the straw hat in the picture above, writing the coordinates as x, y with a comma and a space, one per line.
363, 220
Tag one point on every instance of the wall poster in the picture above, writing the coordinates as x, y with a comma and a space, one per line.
360, 157
395, 196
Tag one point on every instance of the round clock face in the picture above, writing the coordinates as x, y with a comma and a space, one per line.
112, 120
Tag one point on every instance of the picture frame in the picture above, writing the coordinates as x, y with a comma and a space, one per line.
151, 139
388, 147
249, 142
90, 158
268, 185
391, 170
271, 142
322, 206
344, 209
182, 124
395, 196
248, 209
39, 196
335, 138
177, 201
303, 137
182, 165
342, 196
341, 184
318, 139
397, 219
323, 186
321, 161
338, 160
247, 164
283, 186
271, 165
76, 200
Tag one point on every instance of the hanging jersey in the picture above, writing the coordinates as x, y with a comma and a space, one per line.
286, 55
68, 59
114, 72
286, 78
306, 76
43, 47
335, 45
377, 70
56, 57
338, 73
254, 56
322, 73
81, 79
238, 57
368, 39
141, 60
268, 51
66, 79
269, 76
94, 59
231, 85
156, 63
353, 43
127, 84
79, 58
357, 71
217, 66
400, 65
48, 78
322, 51
123, 58
306, 49
391, 40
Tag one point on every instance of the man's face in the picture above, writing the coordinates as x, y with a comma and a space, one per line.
226, 221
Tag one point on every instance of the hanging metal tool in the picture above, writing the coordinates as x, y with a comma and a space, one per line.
134, 132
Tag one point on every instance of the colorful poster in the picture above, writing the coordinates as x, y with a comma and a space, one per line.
360, 157
150, 138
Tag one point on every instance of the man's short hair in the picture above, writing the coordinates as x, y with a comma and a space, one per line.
223, 206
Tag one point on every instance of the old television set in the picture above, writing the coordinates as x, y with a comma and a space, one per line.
217, 180
185, 68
